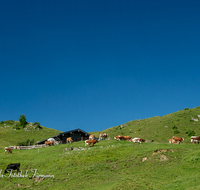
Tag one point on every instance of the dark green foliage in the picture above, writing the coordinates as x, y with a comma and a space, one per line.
28, 142
186, 109
22, 120
1, 122
190, 133
38, 125
17, 126
9, 122
174, 127
176, 132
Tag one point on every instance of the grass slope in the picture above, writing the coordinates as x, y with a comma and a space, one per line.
160, 129
10, 136
107, 165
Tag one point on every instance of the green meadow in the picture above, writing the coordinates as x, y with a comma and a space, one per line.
110, 164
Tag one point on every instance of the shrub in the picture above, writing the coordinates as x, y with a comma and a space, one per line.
37, 125
2, 122
190, 133
17, 126
9, 122
174, 127
176, 132
26, 143
186, 109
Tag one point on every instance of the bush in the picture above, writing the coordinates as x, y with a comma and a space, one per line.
37, 125
17, 126
9, 122
186, 109
176, 132
26, 143
2, 122
190, 133
174, 127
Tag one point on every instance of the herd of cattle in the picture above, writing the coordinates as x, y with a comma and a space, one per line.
102, 136
93, 140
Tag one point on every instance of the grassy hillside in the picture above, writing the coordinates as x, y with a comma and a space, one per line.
160, 129
110, 164
107, 165
10, 136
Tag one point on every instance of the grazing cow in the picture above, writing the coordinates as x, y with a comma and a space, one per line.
138, 140
49, 143
8, 150
69, 140
174, 141
195, 139
88, 142
119, 137
91, 137
127, 138
178, 139
12, 167
102, 136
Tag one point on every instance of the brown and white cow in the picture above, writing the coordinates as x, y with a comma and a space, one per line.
102, 136
8, 150
88, 142
127, 138
170, 140
69, 140
17, 147
195, 139
91, 137
178, 139
119, 137
138, 140
49, 143
174, 141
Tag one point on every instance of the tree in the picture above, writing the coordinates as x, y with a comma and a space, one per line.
22, 120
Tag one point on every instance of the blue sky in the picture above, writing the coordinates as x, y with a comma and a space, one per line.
98, 64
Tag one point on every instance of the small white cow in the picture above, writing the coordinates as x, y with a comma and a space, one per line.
138, 140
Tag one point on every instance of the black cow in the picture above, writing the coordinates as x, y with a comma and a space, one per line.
12, 167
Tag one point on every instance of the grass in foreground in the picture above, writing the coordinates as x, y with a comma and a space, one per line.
107, 165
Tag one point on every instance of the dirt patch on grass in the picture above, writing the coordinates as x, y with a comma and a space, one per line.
162, 150
163, 157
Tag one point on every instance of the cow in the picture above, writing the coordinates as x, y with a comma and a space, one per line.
138, 140
178, 139
127, 138
102, 136
49, 143
91, 137
12, 167
69, 140
17, 147
8, 150
195, 139
119, 137
174, 141
88, 142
